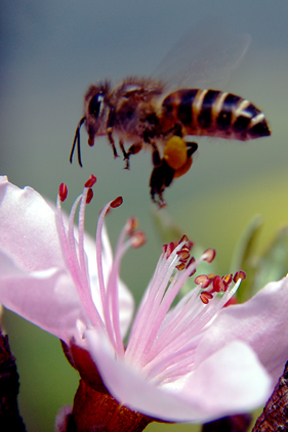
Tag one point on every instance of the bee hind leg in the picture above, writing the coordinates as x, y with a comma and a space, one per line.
192, 147
161, 177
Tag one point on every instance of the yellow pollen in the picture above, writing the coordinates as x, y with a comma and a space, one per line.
175, 152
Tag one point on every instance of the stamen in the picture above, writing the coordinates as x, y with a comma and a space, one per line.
203, 281
183, 254
205, 296
228, 279
217, 286
63, 192
181, 266
78, 274
91, 181
209, 255
89, 196
164, 248
170, 248
117, 202
131, 225
184, 238
239, 275
138, 239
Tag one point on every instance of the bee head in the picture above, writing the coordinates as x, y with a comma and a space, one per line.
96, 111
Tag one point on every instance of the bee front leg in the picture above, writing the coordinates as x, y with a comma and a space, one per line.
112, 142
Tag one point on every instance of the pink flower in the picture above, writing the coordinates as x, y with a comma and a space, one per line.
192, 362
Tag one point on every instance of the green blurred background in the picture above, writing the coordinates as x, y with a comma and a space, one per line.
50, 53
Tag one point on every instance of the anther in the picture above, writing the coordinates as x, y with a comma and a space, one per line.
205, 296
239, 275
91, 181
191, 261
117, 202
209, 255
89, 196
91, 142
63, 192
184, 238
183, 254
138, 239
217, 285
131, 225
170, 248
227, 279
181, 266
203, 281
192, 272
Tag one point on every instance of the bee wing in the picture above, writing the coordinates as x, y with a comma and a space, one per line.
204, 57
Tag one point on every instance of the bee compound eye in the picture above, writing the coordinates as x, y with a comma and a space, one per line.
95, 104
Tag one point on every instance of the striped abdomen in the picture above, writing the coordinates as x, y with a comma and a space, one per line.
213, 113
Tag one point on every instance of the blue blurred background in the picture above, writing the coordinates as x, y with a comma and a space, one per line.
50, 53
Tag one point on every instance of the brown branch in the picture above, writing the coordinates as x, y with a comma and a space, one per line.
274, 417
10, 419
235, 423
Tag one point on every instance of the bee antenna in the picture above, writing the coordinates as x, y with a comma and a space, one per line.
77, 142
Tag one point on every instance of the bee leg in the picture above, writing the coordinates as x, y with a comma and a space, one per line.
125, 154
161, 177
191, 148
112, 142
133, 149
156, 159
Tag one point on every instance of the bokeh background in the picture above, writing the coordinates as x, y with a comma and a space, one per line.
50, 53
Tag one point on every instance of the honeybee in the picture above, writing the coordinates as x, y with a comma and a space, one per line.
147, 112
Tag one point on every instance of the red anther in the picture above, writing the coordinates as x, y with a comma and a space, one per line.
189, 245
209, 255
227, 279
181, 266
170, 248
183, 254
91, 142
192, 272
138, 239
91, 181
205, 296
203, 281
239, 275
89, 195
191, 261
63, 192
164, 248
117, 202
217, 284
184, 238
131, 225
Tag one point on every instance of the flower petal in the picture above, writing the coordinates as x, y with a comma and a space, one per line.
261, 322
28, 231
235, 372
47, 298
